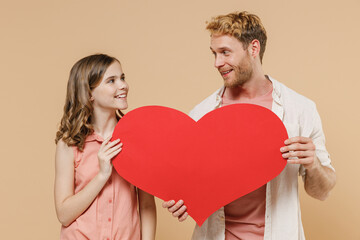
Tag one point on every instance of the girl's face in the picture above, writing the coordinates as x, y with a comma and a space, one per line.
112, 91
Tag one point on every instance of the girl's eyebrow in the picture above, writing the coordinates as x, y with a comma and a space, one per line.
114, 76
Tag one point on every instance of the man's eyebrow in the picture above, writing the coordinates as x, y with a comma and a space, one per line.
220, 48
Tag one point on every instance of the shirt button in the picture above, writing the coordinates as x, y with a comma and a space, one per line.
110, 201
109, 219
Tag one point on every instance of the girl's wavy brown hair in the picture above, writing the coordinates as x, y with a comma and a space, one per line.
85, 75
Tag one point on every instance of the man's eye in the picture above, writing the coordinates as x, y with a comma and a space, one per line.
226, 52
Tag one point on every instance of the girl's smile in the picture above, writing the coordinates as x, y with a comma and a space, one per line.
112, 91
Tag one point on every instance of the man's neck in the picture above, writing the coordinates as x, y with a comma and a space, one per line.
255, 87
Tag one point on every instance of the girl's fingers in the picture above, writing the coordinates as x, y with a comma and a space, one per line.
111, 144
113, 154
106, 140
114, 148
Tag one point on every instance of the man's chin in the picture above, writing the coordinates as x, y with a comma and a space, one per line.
231, 84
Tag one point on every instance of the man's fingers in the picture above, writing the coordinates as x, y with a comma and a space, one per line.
299, 154
176, 207
180, 212
298, 147
183, 217
297, 139
168, 204
303, 161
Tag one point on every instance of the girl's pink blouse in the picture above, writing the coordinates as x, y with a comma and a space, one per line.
113, 214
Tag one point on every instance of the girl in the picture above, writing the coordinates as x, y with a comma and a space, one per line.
92, 201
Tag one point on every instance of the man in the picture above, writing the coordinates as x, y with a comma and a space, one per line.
238, 42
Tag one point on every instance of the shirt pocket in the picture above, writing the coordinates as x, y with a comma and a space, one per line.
293, 129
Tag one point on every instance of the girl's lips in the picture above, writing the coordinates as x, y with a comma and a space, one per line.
124, 95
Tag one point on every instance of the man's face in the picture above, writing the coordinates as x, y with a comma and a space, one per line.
232, 61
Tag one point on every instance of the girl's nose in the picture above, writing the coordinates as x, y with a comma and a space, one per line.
122, 85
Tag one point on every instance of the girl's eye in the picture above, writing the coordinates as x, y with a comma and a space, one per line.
111, 81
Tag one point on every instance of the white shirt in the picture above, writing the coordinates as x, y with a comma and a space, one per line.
282, 214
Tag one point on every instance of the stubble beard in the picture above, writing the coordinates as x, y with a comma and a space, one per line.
243, 72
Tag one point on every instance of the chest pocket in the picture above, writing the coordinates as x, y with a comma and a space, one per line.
293, 129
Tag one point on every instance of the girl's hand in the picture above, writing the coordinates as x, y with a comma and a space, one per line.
107, 151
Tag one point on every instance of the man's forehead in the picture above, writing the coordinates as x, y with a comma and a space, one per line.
222, 41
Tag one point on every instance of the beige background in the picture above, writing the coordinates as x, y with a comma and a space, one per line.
313, 48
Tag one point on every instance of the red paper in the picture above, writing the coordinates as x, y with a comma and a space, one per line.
228, 153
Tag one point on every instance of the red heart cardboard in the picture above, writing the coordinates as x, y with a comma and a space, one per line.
228, 153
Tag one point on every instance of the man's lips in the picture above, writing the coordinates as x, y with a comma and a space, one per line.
226, 73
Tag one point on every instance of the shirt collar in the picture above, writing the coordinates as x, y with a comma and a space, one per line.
219, 94
94, 137
276, 92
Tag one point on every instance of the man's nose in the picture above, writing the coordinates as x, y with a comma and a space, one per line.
219, 61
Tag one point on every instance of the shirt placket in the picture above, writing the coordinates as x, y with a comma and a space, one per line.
108, 210
278, 109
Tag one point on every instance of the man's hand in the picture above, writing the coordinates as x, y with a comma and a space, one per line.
178, 210
319, 180
303, 148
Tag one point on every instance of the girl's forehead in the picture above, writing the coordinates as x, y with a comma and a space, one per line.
113, 70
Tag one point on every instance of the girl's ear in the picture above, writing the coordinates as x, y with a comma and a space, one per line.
91, 98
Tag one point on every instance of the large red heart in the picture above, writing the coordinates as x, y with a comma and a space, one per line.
228, 153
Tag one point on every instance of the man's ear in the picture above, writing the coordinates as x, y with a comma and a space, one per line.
254, 48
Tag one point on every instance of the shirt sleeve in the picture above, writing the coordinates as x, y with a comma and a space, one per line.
317, 135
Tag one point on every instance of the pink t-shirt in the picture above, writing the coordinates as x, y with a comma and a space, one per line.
113, 214
245, 217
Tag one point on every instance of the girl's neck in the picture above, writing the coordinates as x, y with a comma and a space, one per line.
104, 123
